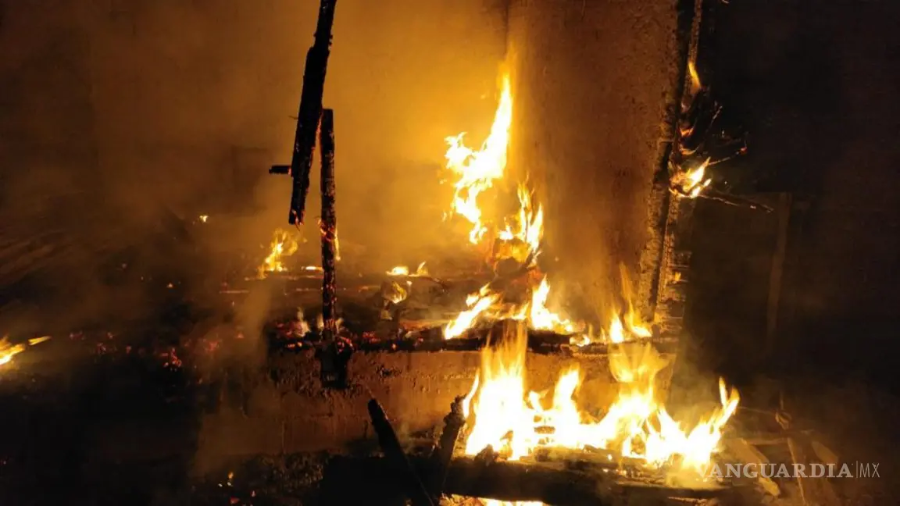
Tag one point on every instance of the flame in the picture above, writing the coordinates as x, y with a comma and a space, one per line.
477, 303
283, 245
696, 84
8, 350
691, 183
476, 171
541, 318
337, 246
501, 415
521, 239
204, 217
402, 270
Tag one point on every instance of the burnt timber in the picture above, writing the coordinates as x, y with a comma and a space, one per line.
310, 112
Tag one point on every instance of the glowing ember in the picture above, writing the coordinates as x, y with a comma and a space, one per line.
8, 351
283, 245
501, 415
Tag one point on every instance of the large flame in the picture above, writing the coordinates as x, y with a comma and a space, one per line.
476, 171
283, 245
502, 414
520, 239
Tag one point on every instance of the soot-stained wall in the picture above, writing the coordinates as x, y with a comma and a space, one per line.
592, 81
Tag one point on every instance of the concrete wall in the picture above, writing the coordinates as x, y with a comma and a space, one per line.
292, 413
593, 80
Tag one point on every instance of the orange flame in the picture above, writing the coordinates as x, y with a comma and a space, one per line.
283, 245
514, 424
477, 170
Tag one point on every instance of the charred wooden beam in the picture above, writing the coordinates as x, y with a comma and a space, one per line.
660, 202
310, 112
328, 226
395, 456
443, 454
552, 483
335, 356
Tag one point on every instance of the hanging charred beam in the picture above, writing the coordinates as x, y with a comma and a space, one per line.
395, 456
310, 112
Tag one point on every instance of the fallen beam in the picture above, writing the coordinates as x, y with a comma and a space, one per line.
555, 484
393, 452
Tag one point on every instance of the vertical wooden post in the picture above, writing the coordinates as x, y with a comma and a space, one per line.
328, 227
777, 271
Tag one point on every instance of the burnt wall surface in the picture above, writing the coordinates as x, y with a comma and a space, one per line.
289, 411
813, 82
592, 81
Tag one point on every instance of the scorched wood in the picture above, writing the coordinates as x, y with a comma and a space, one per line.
310, 110
328, 226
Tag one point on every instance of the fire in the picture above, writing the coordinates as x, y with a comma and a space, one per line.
541, 318
477, 303
283, 245
476, 171
402, 270
691, 182
8, 351
521, 239
502, 414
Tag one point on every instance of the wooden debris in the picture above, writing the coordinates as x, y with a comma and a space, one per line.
395, 456
813, 491
443, 454
509, 481
746, 453
554, 483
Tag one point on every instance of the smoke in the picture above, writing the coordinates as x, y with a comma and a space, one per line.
128, 114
